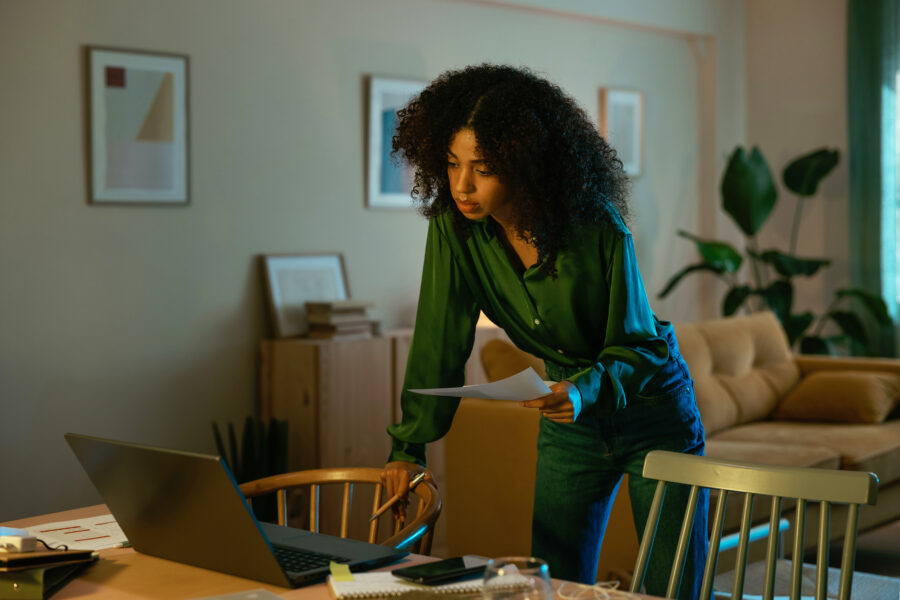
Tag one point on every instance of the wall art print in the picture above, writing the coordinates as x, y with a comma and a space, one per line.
138, 115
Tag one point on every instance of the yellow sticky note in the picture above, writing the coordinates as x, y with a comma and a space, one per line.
340, 572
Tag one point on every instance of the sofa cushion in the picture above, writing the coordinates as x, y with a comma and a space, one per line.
770, 453
874, 448
742, 366
787, 455
844, 396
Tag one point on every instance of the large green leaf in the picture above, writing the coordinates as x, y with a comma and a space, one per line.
235, 463
734, 299
685, 271
802, 176
796, 325
719, 255
874, 304
791, 266
748, 192
851, 325
779, 297
220, 445
248, 451
262, 447
278, 434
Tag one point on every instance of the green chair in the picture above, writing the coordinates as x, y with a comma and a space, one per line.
749, 480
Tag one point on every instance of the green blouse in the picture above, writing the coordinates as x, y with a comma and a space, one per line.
593, 323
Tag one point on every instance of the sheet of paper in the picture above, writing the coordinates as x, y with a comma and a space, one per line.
94, 533
526, 385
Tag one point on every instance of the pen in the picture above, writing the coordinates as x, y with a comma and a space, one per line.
415, 480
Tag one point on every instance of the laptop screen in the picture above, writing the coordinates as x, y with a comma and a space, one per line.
187, 507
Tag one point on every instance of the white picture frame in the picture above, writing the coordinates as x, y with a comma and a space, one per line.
138, 127
292, 280
388, 184
622, 124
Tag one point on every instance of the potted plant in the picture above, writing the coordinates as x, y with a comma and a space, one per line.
261, 452
749, 196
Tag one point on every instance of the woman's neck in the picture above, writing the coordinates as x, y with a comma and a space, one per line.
506, 224
525, 250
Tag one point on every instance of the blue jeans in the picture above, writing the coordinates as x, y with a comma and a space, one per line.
580, 466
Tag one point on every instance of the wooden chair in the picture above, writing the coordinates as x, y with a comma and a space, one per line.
824, 486
414, 535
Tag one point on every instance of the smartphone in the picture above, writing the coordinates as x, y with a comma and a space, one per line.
443, 571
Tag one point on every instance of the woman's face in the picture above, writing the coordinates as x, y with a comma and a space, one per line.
478, 192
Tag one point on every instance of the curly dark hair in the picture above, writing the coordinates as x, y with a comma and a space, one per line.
534, 137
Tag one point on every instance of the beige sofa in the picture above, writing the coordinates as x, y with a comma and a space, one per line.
758, 401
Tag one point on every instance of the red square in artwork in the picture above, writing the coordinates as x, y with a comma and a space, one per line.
115, 77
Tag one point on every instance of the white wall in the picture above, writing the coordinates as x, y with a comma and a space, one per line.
142, 323
797, 102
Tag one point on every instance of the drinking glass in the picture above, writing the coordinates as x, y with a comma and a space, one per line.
517, 578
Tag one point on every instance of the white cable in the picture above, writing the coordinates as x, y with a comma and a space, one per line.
602, 590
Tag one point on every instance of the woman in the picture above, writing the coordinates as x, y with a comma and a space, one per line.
524, 200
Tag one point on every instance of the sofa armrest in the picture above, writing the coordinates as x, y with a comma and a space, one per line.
490, 456
488, 492
810, 363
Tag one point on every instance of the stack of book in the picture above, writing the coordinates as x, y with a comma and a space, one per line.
39, 574
339, 319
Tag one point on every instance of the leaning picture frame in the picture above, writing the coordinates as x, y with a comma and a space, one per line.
622, 124
292, 280
137, 104
388, 184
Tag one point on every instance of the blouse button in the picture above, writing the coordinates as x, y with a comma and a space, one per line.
537, 321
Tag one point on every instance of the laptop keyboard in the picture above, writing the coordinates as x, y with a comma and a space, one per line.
297, 560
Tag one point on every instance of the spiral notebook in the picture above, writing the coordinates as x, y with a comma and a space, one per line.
380, 584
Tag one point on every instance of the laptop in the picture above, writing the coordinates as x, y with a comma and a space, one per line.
187, 507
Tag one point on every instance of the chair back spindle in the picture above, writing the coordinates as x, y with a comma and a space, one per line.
773, 549
345, 509
314, 508
414, 533
373, 525
281, 502
825, 487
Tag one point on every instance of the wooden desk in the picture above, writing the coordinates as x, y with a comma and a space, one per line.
123, 574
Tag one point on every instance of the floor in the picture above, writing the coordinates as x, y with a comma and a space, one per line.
877, 551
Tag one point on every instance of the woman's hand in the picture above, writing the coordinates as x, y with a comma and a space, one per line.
563, 403
396, 477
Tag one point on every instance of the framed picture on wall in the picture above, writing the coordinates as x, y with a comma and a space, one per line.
292, 280
388, 184
138, 127
622, 124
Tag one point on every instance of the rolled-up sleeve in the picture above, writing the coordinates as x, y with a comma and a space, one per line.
632, 350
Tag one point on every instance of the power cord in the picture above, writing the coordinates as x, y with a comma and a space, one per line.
602, 590
49, 547
25, 543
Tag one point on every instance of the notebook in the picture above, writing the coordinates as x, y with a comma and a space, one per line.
382, 584
187, 507
15, 561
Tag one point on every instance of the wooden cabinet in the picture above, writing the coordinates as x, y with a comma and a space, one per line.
336, 396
